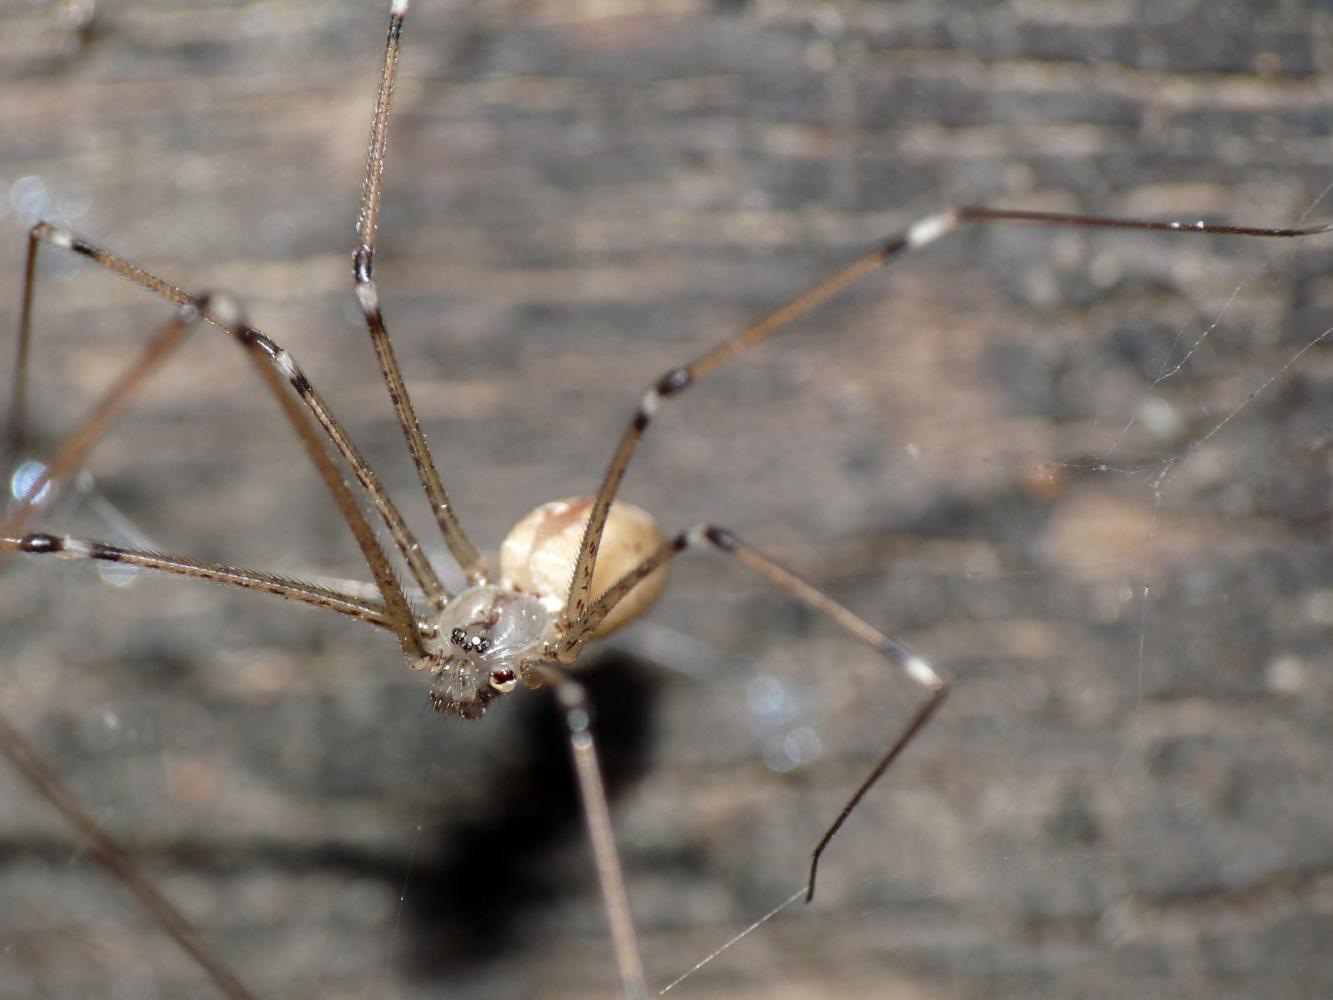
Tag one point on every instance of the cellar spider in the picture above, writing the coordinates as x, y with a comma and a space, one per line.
890, 613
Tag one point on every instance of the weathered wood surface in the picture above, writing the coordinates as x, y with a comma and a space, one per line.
1087, 475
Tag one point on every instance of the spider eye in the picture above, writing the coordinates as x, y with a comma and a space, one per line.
503, 680
457, 636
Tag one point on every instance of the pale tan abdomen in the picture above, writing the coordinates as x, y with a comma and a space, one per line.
538, 555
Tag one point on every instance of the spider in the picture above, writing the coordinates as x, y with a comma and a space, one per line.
465, 695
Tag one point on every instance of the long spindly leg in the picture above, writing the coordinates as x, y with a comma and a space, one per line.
917, 669
16, 432
73, 451
65, 547
110, 856
464, 552
68, 458
275, 367
577, 710
71, 456
276, 356
921, 233
19, 752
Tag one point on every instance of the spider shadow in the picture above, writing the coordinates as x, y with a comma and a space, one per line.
497, 873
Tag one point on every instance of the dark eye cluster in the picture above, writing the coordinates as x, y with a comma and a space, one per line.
469, 644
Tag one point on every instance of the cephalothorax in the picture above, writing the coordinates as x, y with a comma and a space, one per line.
491, 637
486, 639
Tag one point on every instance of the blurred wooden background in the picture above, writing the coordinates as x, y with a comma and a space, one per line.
1086, 474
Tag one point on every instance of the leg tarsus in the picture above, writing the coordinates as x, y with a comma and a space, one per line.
916, 668
919, 720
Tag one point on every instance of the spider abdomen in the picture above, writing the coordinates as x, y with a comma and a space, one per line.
537, 556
